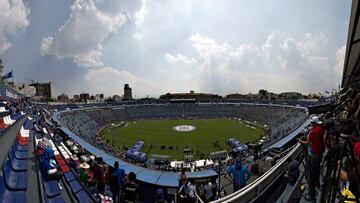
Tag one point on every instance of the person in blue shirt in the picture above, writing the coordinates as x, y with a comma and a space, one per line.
120, 175
240, 174
49, 169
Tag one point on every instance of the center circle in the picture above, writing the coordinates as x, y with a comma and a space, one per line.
184, 128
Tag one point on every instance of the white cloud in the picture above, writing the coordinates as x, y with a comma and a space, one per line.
90, 22
45, 45
311, 42
297, 65
140, 14
138, 36
179, 59
340, 59
13, 18
91, 59
110, 81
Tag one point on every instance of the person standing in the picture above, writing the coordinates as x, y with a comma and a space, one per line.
131, 189
240, 174
120, 175
315, 145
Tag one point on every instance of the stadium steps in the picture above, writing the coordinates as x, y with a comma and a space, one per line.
14, 177
7, 138
34, 194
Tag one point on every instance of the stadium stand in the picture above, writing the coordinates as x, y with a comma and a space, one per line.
82, 126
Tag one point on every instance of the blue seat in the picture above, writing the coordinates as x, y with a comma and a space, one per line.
20, 147
15, 116
15, 180
75, 186
83, 197
17, 164
52, 188
57, 199
27, 124
19, 154
69, 176
10, 196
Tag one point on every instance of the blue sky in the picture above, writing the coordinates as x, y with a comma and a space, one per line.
218, 46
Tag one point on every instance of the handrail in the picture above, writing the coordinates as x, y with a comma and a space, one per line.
256, 188
198, 199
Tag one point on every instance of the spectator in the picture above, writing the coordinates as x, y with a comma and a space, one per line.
120, 175
352, 174
191, 192
208, 192
183, 177
84, 170
114, 185
74, 163
182, 193
270, 161
255, 171
159, 196
293, 172
98, 171
48, 167
41, 145
240, 174
131, 189
315, 146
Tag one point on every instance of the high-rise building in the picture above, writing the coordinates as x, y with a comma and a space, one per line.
44, 91
127, 92
84, 97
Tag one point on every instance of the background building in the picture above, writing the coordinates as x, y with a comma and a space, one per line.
44, 91
63, 98
191, 95
127, 92
84, 97
26, 89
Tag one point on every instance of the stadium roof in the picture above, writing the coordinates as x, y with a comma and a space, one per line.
351, 73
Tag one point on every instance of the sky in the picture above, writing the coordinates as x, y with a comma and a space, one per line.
160, 46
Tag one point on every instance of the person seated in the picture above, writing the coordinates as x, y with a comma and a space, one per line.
84, 172
41, 145
74, 163
48, 167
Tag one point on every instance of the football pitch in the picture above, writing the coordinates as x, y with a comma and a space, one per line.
160, 137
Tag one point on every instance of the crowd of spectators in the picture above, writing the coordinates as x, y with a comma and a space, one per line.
88, 123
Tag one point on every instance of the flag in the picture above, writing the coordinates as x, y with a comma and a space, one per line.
8, 75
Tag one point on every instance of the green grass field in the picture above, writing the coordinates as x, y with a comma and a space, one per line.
161, 132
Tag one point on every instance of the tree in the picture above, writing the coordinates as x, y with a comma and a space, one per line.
263, 93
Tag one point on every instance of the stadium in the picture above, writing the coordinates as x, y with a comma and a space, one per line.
235, 124
179, 147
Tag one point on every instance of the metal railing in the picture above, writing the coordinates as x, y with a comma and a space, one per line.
255, 189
